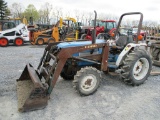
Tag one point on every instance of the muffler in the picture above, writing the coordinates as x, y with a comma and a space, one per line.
31, 92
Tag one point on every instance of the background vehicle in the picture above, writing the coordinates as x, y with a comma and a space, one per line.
40, 37
70, 29
41, 27
4, 25
63, 30
125, 30
17, 35
83, 61
142, 32
9, 23
103, 26
17, 21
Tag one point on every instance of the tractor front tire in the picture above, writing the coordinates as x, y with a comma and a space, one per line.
136, 67
87, 81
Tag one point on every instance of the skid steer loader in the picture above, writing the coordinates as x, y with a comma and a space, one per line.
45, 36
82, 61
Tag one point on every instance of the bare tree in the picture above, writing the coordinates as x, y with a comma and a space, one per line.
41, 16
82, 14
134, 23
44, 13
128, 23
57, 12
90, 18
77, 14
66, 13
102, 16
16, 10
85, 18
108, 16
154, 23
146, 23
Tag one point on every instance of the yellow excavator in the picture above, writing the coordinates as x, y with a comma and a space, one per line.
18, 20
71, 29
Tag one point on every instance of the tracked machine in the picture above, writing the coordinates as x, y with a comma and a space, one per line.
83, 61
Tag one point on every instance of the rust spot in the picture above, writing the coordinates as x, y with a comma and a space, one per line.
88, 82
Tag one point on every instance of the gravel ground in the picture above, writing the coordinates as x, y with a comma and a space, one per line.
114, 100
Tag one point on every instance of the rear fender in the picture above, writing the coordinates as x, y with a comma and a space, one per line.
126, 51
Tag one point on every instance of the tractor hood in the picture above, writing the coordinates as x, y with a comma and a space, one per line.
78, 43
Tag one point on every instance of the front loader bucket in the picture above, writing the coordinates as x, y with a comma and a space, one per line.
31, 92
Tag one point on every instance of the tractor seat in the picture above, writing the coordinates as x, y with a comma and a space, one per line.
122, 41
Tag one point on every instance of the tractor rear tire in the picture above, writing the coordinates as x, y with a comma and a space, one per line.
136, 67
3, 42
87, 81
18, 41
40, 41
68, 72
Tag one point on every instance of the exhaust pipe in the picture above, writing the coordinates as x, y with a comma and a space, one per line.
94, 30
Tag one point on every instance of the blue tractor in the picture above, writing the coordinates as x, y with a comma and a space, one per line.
83, 61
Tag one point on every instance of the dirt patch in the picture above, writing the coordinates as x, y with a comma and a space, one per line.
24, 89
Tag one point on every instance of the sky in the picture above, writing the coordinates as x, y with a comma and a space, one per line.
149, 8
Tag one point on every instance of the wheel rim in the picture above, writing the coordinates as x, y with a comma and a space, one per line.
3, 42
140, 68
88, 82
19, 42
40, 42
